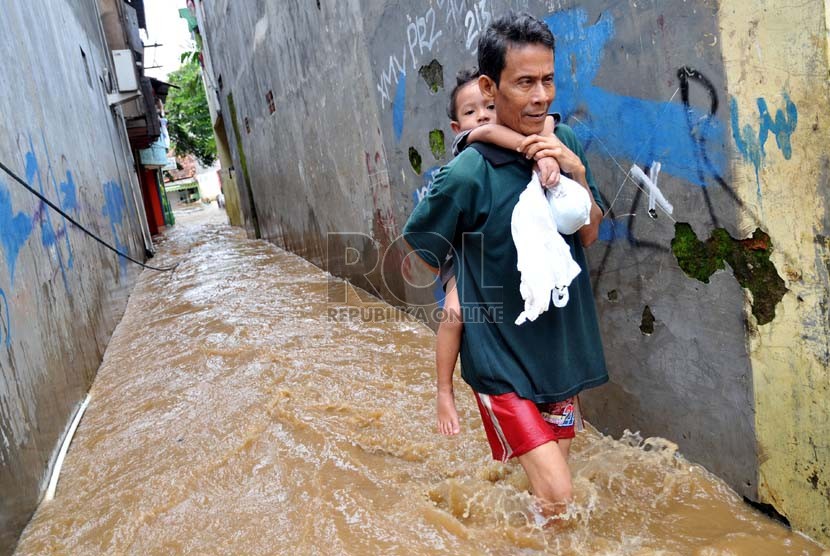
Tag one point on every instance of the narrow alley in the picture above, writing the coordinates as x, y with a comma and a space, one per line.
221, 331
247, 420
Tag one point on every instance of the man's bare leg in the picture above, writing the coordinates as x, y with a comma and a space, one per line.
565, 447
549, 476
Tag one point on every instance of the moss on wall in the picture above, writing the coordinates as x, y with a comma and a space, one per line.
436, 143
244, 163
415, 160
749, 259
433, 75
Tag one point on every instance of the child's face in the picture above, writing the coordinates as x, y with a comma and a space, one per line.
472, 110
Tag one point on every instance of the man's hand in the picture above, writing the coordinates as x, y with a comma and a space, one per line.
548, 170
538, 147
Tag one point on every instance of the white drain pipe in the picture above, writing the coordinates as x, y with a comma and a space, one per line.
56, 470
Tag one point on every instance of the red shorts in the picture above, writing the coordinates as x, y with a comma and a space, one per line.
515, 426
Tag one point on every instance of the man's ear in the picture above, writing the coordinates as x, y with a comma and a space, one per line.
488, 87
455, 126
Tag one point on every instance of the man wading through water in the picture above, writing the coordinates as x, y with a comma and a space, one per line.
525, 378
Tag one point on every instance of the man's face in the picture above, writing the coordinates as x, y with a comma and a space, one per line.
525, 89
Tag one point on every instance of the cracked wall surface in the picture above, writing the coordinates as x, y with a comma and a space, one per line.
749, 260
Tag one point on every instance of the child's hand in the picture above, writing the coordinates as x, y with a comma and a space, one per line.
549, 172
538, 147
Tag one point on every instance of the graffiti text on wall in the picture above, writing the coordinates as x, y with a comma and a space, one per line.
114, 207
15, 229
18, 226
49, 235
752, 145
422, 191
419, 39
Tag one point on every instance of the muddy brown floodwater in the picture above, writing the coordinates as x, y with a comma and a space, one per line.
233, 415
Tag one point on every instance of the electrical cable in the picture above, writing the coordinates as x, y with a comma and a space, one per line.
79, 226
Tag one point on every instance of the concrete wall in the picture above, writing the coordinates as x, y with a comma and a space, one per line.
228, 172
61, 294
777, 69
714, 318
227, 175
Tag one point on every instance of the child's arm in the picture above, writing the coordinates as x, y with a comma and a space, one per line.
497, 135
513, 140
504, 136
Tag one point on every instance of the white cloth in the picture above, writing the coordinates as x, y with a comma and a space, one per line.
570, 205
544, 259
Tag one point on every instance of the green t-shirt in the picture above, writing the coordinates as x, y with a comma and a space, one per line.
467, 212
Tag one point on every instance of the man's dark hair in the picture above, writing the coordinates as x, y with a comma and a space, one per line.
463, 77
505, 31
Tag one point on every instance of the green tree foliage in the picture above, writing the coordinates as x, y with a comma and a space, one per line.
188, 117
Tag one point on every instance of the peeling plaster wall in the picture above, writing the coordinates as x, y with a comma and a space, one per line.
61, 294
776, 66
360, 129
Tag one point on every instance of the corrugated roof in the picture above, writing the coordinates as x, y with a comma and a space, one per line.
161, 88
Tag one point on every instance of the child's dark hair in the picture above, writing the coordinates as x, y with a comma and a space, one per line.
463, 77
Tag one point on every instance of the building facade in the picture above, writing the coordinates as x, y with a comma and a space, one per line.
74, 112
231, 176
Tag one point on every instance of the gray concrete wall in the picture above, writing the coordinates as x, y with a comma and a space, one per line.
317, 164
61, 294
360, 128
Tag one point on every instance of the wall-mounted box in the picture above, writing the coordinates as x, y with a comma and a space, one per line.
125, 70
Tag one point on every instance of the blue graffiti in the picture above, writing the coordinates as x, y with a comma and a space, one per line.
65, 229
783, 127
48, 237
421, 192
637, 129
398, 106
32, 170
614, 230
15, 229
752, 146
69, 194
8, 319
114, 206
